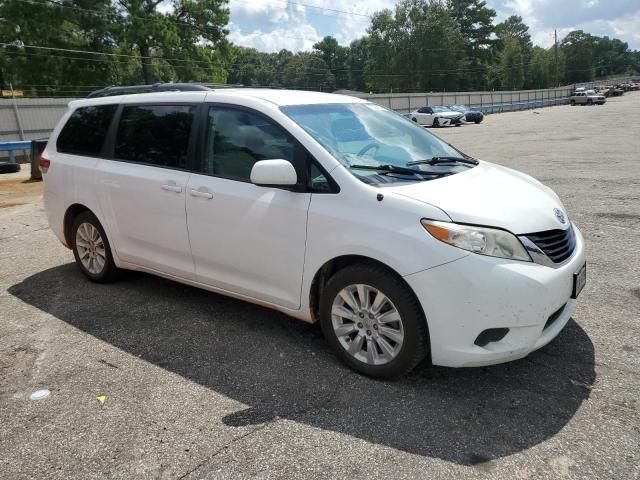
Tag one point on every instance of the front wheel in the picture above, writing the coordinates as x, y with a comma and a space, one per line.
573, 103
436, 123
373, 321
91, 249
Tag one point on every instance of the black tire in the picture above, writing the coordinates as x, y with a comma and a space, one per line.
436, 123
414, 120
477, 122
109, 271
415, 345
589, 102
573, 103
9, 167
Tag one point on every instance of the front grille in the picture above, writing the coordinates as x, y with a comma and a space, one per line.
558, 245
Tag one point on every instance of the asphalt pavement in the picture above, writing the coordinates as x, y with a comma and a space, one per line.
196, 385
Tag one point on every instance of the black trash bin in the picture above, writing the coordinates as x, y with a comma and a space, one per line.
37, 147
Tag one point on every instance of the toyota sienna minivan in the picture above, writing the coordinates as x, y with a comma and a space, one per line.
328, 208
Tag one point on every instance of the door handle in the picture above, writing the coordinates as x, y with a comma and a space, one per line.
171, 186
201, 192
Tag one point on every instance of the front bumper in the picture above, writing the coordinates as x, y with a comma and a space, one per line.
463, 298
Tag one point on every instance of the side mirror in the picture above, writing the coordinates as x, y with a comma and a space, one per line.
274, 172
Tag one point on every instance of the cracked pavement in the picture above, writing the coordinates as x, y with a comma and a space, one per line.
199, 386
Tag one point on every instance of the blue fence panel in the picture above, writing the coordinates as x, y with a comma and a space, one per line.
11, 147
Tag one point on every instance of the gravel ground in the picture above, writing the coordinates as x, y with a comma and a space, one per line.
197, 385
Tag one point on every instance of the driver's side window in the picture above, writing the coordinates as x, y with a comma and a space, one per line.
425, 110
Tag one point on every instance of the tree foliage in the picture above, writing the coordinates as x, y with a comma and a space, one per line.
139, 43
511, 65
419, 45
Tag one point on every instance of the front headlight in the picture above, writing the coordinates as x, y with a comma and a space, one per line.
484, 241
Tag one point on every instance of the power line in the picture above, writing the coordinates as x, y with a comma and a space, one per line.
305, 71
138, 57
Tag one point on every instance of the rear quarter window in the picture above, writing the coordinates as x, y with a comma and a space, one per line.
85, 130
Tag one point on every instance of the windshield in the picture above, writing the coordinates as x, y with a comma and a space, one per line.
591, 92
365, 134
441, 109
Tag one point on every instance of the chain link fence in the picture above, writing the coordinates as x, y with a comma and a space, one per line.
35, 118
487, 102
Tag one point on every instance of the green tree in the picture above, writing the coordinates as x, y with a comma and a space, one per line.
577, 48
512, 70
514, 27
187, 44
418, 46
335, 57
475, 21
357, 56
193, 36
46, 24
539, 71
307, 71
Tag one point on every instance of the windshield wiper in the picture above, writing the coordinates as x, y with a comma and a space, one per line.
387, 168
442, 160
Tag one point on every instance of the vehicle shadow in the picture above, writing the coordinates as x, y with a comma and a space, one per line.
282, 368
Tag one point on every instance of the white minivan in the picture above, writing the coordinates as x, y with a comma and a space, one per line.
325, 207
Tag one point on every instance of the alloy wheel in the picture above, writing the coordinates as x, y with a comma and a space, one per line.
91, 248
367, 324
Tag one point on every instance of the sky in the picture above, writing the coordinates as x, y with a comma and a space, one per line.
271, 25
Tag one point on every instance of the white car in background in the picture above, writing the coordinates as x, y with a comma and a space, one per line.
436, 116
328, 208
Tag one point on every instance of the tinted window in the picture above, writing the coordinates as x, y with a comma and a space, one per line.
86, 129
155, 134
237, 139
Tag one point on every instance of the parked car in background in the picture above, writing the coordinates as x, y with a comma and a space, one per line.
617, 91
470, 115
329, 208
436, 116
588, 97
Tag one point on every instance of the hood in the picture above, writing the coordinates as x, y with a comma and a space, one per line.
491, 195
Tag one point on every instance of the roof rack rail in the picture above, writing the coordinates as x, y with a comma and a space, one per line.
156, 87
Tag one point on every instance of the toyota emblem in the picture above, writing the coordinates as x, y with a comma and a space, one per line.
560, 215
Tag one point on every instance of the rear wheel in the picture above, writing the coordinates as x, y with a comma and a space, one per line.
373, 321
573, 103
414, 119
91, 249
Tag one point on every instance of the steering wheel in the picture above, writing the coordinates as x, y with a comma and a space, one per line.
368, 147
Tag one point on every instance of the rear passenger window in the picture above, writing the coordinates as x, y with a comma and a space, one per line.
85, 131
237, 139
155, 134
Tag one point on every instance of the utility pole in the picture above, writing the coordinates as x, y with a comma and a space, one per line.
555, 36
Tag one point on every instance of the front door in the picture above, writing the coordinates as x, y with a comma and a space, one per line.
245, 238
